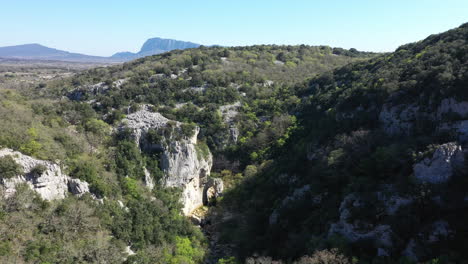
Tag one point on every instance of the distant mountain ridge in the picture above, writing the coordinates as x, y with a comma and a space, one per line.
39, 52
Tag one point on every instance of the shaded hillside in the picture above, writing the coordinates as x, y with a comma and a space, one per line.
376, 166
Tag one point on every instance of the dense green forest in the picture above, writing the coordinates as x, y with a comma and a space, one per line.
341, 147
65, 121
295, 131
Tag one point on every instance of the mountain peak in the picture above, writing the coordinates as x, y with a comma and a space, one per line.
156, 45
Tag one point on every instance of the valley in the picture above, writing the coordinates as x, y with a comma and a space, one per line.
251, 154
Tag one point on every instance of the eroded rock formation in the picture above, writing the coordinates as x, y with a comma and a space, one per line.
49, 182
185, 163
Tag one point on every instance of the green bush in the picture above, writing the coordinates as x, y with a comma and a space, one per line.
9, 168
39, 169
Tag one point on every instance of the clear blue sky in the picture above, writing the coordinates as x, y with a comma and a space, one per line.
102, 27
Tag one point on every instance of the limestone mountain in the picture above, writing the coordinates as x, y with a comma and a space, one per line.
155, 46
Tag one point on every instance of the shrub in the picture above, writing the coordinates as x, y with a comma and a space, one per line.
203, 152
188, 129
9, 168
331, 256
39, 169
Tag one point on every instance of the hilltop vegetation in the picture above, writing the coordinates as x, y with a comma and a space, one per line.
328, 156
70, 122
363, 132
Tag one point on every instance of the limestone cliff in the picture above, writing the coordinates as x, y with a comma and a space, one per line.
185, 164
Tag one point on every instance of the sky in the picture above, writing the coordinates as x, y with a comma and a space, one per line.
102, 27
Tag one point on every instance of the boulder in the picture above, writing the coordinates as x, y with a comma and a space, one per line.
439, 168
78, 187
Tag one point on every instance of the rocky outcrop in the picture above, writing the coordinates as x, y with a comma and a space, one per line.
450, 114
149, 182
213, 189
94, 89
78, 187
355, 230
450, 105
49, 181
439, 168
398, 119
229, 113
183, 162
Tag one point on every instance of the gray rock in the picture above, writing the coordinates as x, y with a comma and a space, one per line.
233, 133
149, 182
51, 184
356, 231
196, 220
213, 189
183, 166
78, 187
120, 82
392, 201
398, 119
441, 167
93, 89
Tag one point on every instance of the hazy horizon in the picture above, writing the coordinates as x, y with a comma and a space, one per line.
104, 28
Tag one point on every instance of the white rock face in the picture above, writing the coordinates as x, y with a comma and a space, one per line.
398, 119
50, 185
441, 167
183, 165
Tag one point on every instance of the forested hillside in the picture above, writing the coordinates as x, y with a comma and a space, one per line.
260, 154
91, 173
376, 166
